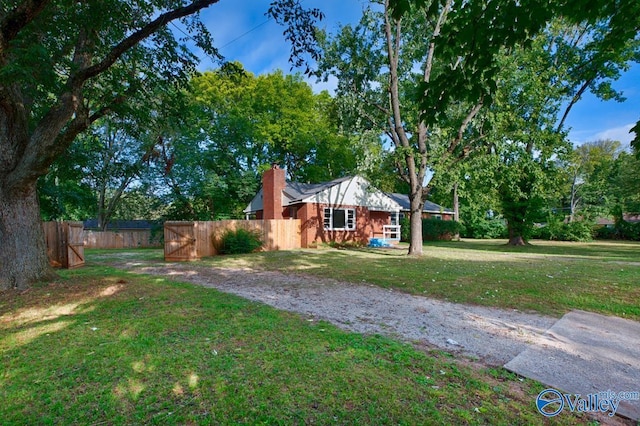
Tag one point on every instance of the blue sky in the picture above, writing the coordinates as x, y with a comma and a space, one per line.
243, 33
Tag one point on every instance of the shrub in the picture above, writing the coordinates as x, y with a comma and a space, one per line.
557, 229
239, 241
405, 229
605, 233
576, 231
485, 229
628, 230
432, 229
437, 229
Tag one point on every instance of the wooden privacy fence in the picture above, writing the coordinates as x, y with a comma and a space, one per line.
129, 238
65, 243
192, 240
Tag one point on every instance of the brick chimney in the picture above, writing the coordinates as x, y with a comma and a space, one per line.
273, 182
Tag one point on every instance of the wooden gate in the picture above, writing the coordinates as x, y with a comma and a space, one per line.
179, 241
75, 244
65, 243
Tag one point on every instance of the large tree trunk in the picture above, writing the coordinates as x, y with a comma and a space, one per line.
515, 237
456, 209
415, 243
23, 254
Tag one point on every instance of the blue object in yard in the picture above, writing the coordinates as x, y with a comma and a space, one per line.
378, 242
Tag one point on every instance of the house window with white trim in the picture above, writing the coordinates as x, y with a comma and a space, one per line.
339, 219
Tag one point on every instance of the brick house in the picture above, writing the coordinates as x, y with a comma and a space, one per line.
347, 209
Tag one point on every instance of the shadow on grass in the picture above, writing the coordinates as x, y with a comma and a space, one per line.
549, 278
604, 250
155, 352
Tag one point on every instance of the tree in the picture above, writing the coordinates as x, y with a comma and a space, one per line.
63, 66
240, 125
598, 47
635, 143
589, 173
537, 88
378, 63
624, 183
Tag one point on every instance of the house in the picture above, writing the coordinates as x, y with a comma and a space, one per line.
429, 211
347, 209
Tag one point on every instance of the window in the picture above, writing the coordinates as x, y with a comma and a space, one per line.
395, 218
339, 219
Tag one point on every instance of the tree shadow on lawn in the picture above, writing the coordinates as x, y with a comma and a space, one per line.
603, 250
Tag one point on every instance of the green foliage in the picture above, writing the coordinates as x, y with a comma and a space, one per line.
624, 183
605, 233
432, 229
484, 228
239, 241
625, 230
628, 230
437, 229
635, 143
405, 229
240, 124
558, 229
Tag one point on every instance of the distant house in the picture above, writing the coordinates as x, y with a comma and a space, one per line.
429, 211
348, 209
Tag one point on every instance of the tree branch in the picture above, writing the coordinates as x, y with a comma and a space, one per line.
36, 158
83, 75
14, 21
463, 126
574, 100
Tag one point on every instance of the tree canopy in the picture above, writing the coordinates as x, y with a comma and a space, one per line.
64, 65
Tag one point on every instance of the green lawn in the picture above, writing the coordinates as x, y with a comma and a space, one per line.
101, 346
548, 277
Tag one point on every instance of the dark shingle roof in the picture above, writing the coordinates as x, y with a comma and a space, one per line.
429, 206
121, 224
297, 191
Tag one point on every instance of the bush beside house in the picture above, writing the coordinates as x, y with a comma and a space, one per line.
432, 229
239, 241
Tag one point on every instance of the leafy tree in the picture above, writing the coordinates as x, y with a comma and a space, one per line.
538, 87
635, 143
589, 173
63, 192
379, 63
625, 183
63, 66
588, 46
241, 124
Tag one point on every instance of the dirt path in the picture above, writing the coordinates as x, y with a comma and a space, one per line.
493, 336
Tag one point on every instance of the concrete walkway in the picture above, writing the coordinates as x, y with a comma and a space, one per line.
586, 353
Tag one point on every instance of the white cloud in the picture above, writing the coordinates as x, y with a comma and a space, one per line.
620, 134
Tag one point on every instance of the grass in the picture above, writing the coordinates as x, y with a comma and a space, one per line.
101, 346
547, 277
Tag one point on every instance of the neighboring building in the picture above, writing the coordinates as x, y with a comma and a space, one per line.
429, 211
348, 209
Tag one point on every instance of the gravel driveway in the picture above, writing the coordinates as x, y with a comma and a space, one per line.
493, 336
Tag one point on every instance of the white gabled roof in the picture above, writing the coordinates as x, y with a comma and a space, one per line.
355, 191
347, 191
